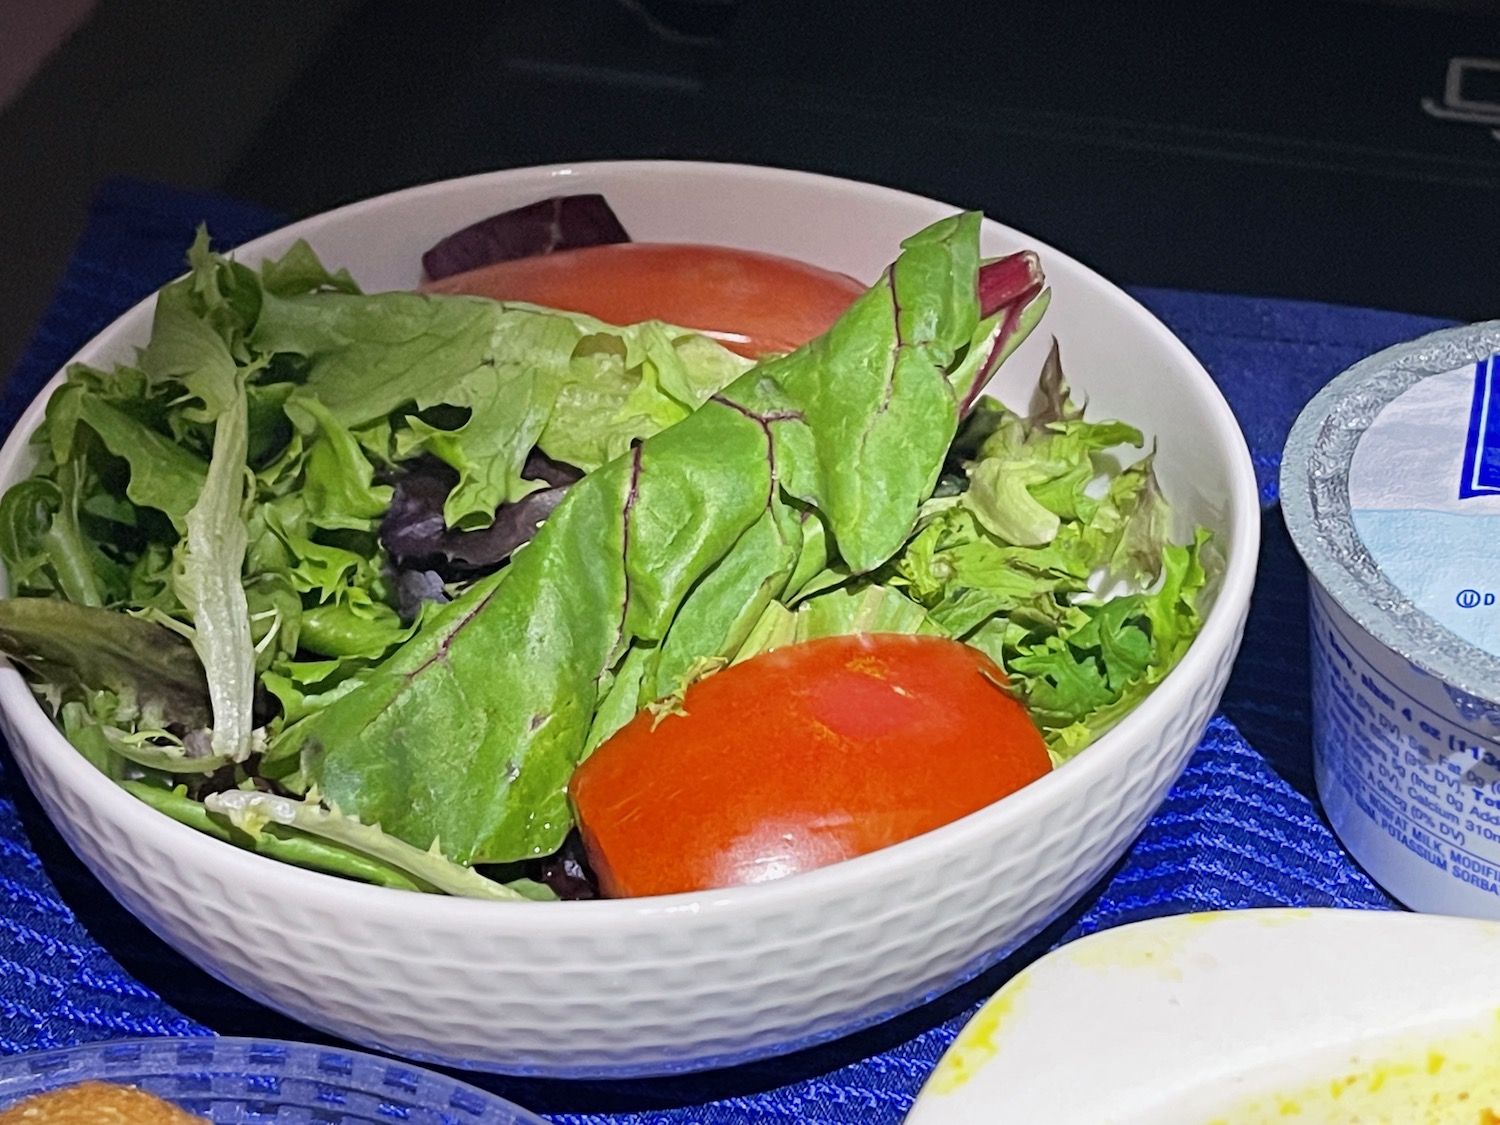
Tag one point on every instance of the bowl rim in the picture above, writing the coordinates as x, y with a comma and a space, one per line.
1104, 759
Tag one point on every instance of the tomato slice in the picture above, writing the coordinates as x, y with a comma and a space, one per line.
755, 304
801, 757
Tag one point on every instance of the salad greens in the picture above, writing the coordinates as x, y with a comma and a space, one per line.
357, 580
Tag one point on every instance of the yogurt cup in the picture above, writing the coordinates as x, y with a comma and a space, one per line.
1390, 486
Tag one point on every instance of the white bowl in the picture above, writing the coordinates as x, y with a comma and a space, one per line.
684, 982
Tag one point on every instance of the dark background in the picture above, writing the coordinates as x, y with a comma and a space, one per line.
1275, 148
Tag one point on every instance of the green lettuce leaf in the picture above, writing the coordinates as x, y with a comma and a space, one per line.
279, 842
482, 382
162, 473
1057, 562
1078, 684
466, 737
209, 577
78, 650
337, 484
252, 812
45, 547
225, 488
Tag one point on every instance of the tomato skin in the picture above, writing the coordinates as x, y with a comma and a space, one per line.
752, 303
801, 757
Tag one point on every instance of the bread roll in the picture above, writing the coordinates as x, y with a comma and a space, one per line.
96, 1103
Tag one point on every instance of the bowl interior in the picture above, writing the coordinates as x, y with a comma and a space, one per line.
1122, 358
1116, 354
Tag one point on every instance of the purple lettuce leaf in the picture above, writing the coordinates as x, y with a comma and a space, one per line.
416, 537
564, 222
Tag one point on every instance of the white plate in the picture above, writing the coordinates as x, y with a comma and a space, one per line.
1318, 1017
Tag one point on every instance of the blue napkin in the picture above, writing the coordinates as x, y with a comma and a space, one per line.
1239, 829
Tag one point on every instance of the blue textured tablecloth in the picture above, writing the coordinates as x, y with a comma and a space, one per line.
1238, 830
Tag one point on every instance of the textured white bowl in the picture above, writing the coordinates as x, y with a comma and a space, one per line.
685, 982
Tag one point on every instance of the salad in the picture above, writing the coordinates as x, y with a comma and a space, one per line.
359, 580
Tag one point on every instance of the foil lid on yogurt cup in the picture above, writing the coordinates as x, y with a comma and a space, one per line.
1390, 486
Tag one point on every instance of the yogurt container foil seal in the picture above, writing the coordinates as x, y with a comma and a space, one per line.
1336, 543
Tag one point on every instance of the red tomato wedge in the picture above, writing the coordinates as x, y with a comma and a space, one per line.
755, 304
801, 757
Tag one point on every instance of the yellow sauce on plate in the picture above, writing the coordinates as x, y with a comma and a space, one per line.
978, 1042
1452, 1081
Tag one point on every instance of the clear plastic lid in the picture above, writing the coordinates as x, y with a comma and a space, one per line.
226, 1079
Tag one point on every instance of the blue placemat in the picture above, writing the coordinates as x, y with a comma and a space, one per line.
1238, 830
